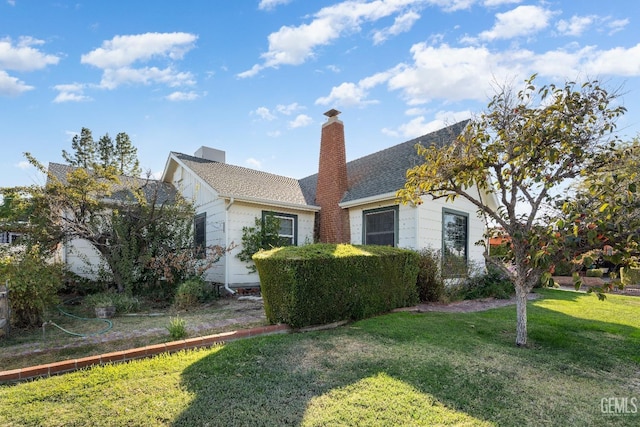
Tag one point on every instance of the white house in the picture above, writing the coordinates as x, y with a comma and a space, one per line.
344, 202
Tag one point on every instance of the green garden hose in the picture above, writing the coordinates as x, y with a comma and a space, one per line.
76, 334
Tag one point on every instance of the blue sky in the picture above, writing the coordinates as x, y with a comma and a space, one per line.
253, 78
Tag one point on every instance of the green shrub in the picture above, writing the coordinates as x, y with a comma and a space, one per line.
33, 286
264, 235
630, 276
430, 284
323, 283
193, 292
490, 284
563, 268
177, 328
122, 302
594, 272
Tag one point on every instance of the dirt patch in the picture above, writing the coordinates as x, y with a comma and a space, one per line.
223, 315
467, 306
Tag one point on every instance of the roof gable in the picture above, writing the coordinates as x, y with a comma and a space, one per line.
244, 183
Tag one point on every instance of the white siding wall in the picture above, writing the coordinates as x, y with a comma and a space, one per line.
82, 258
421, 227
238, 215
206, 201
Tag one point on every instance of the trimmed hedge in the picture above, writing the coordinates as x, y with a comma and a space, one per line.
324, 283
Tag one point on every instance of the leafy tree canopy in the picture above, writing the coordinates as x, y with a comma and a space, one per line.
524, 150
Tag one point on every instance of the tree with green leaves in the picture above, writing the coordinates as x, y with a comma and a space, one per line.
137, 225
523, 150
264, 235
121, 156
604, 205
125, 156
84, 150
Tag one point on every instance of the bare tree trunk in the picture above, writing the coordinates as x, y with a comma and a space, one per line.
521, 310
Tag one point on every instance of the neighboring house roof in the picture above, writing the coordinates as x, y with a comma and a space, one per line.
246, 184
166, 192
384, 172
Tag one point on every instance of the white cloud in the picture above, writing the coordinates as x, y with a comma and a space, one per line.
271, 4
287, 110
301, 120
352, 94
112, 78
402, 24
274, 134
453, 74
521, 21
254, 163
293, 45
70, 97
73, 92
24, 165
450, 73
12, 86
390, 132
182, 96
22, 56
346, 95
264, 113
452, 5
618, 61
122, 51
419, 126
494, 3
415, 111
250, 72
617, 25
575, 26
117, 56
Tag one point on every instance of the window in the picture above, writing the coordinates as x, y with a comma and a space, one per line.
200, 233
288, 227
380, 226
455, 242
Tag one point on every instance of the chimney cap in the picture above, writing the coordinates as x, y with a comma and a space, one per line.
332, 113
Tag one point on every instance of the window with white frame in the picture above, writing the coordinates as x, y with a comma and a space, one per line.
380, 226
455, 242
288, 227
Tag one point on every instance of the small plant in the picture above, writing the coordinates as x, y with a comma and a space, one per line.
430, 284
263, 236
490, 284
100, 300
594, 272
193, 292
177, 328
123, 303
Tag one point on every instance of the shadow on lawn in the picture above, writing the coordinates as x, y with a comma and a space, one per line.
414, 365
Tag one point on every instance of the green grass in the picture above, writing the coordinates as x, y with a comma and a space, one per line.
397, 369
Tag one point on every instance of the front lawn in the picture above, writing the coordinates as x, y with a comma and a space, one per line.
397, 369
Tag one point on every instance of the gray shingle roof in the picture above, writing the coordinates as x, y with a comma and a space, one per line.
122, 192
240, 182
384, 172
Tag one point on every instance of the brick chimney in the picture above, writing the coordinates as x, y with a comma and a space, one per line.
332, 182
